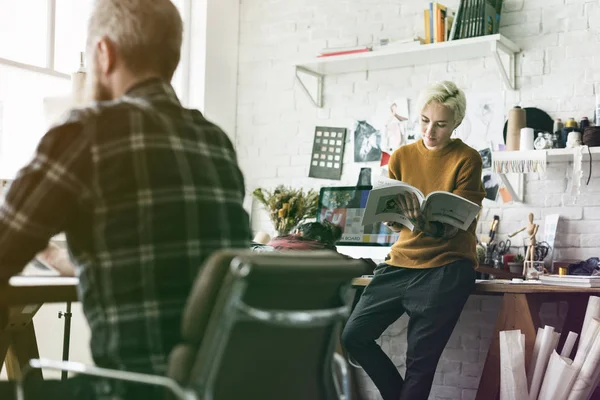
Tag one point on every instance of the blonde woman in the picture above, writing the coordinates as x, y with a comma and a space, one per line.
430, 271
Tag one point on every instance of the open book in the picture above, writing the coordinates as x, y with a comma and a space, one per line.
441, 206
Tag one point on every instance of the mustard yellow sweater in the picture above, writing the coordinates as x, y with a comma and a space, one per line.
457, 169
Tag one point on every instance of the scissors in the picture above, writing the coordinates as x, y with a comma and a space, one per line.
504, 246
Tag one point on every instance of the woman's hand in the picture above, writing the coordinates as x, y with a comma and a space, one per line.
411, 208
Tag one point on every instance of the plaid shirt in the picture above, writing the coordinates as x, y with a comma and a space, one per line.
145, 191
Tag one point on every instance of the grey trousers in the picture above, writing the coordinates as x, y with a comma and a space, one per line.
433, 298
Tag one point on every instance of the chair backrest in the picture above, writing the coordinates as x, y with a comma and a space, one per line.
263, 325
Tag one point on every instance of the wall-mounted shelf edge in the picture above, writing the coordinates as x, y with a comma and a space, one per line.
406, 55
552, 156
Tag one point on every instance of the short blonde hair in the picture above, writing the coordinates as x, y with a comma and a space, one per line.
447, 94
147, 33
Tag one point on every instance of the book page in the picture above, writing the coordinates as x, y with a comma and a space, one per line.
381, 204
381, 182
450, 209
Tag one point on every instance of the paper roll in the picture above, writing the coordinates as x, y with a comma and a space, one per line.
517, 119
513, 382
592, 311
526, 139
559, 379
539, 369
588, 361
568, 345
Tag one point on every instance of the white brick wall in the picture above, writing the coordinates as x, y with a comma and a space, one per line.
557, 71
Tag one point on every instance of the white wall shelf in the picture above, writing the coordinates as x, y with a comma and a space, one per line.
551, 156
414, 54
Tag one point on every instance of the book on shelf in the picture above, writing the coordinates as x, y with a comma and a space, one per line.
439, 206
438, 20
427, 24
476, 18
571, 280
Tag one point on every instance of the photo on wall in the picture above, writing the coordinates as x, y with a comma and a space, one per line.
491, 185
486, 157
364, 177
328, 153
367, 142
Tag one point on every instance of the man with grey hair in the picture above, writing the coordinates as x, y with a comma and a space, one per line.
144, 189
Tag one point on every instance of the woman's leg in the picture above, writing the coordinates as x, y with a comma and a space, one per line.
434, 301
379, 306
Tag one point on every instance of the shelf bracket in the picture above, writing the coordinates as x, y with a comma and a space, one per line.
513, 193
315, 98
507, 70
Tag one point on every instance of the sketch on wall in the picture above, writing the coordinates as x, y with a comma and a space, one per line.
484, 121
413, 125
396, 120
367, 142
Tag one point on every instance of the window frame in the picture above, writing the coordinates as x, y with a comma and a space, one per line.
49, 69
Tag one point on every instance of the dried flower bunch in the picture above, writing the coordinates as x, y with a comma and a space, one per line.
288, 206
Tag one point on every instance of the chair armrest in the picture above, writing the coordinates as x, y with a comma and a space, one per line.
83, 369
344, 391
296, 319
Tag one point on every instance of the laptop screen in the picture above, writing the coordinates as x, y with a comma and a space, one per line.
344, 206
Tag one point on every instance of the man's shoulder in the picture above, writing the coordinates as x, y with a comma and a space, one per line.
91, 113
112, 119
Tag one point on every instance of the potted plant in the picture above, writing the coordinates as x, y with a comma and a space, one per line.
516, 266
287, 206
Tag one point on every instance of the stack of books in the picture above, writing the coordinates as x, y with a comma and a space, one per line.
571, 280
472, 18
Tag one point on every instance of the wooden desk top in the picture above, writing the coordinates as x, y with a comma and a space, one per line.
38, 289
498, 288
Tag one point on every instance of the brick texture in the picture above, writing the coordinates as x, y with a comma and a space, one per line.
275, 124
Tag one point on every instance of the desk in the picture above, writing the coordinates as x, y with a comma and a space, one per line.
19, 302
519, 310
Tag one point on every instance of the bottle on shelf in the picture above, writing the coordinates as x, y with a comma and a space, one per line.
570, 126
556, 131
78, 81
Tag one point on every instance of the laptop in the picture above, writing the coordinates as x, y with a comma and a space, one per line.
344, 206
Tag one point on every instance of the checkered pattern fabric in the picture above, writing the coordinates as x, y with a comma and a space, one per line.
145, 191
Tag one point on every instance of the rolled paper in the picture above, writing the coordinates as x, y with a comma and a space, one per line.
517, 120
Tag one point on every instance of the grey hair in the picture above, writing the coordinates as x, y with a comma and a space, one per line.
447, 94
147, 33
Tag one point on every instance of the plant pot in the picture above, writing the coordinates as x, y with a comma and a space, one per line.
515, 268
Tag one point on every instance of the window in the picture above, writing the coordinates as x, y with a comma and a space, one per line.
23, 31
23, 120
70, 33
40, 45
